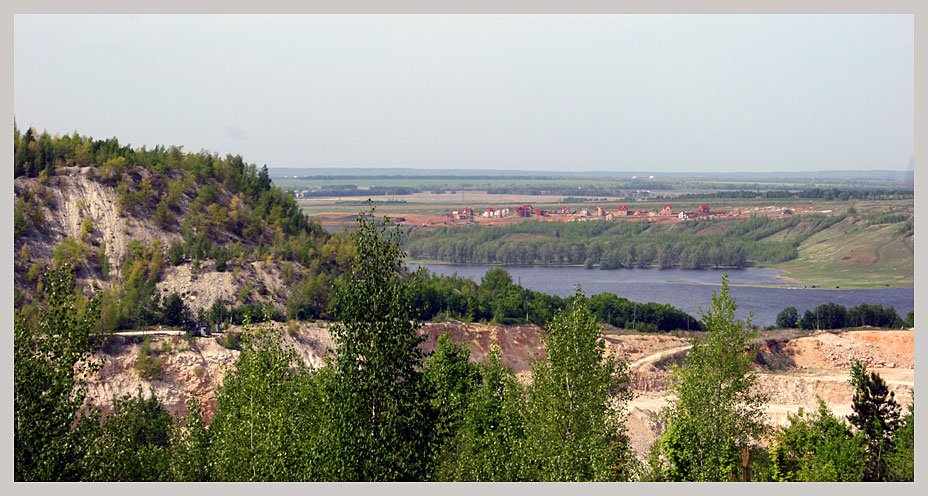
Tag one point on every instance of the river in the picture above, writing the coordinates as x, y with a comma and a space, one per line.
688, 290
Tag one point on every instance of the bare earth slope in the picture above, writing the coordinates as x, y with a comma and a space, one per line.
792, 371
73, 196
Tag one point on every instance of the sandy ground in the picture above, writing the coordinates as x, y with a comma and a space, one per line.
796, 370
807, 368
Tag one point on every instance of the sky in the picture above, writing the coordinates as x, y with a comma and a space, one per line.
662, 93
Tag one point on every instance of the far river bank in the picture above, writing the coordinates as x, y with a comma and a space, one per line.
760, 291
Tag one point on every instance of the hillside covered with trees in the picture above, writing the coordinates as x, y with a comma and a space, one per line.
124, 218
378, 410
612, 245
129, 221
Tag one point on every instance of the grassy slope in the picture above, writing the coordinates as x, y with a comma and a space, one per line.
854, 255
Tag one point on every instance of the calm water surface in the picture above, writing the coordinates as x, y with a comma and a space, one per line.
687, 290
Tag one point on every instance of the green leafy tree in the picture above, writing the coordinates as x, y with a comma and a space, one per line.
161, 216
508, 306
190, 442
900, 463
133, 443
716, 415
495, 280
50, 366
574, 428
488, 444
309, 298
788, 318
876, 415
147, 364
653, 469
19, 151
70, 252
174, 311
817, 447
103, 261
808, 321
380, 425
451, 380
264, 425
909, 319
176, 254
264, 179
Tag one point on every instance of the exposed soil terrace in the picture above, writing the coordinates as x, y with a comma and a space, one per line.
792, 371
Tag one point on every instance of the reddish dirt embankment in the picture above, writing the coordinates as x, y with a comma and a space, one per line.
518, 345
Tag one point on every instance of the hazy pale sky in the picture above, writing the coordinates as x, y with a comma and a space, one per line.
530, 92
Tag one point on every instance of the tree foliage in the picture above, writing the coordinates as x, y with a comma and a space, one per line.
265, 419
877, 416
716, 415
900, 463
575, 408
451, 380
835, 316
487, 445
381, 410
620, 244
190, 446
788, 318
817, 447
50, 366
133, 443
497, 299
379, 416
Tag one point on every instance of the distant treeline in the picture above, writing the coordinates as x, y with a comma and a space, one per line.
446, 177
693, 245
497, 299
834, 316
623, 189
816, 193
340, 190
440, 298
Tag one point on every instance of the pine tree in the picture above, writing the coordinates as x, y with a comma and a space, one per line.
876, 415
264, 179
